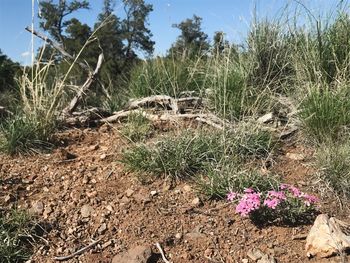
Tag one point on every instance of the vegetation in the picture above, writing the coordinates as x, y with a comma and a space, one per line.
16, 230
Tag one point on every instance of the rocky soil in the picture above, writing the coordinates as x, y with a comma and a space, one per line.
80, 193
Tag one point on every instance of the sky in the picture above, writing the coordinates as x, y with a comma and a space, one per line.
231, 16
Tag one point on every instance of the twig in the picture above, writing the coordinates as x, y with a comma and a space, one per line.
80, 251
162, 253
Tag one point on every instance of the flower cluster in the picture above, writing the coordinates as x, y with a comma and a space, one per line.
251, 200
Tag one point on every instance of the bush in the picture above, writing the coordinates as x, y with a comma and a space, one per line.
16, 228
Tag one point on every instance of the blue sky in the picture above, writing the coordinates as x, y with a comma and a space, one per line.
230, 16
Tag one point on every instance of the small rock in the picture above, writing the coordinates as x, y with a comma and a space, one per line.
138, 254
47, 212
86, 211
194, 235
37, 208
103, 156
153, 193
187, 188
196, 201
94, 147
267, 259
102, 229
9, 198
124, 200
178, 236
295, 156
266, 118
255, 254
129, 192
245, 260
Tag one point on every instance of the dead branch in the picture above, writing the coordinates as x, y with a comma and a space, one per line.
56, 46
165, 101
4, 112
162, 253
78, 252
74, 102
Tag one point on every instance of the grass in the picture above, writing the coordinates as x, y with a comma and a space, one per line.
325, 113
138, 128
334, 163
16, 228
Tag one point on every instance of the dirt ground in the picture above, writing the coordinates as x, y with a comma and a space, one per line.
80, 193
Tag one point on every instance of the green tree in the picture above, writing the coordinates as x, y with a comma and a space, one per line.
8, 71
192, 40
134, 27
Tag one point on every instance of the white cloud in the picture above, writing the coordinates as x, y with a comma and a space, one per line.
25, 54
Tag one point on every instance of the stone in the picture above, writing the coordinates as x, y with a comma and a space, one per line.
86, 211
245, 260
153, 193
103, 156
9, 198
129, 192
102, 229
295, 156
266, 118
187, 188
196, 201
137, 254
326, 237
178, 236
47, 212
267, 259
37, 208
255, 254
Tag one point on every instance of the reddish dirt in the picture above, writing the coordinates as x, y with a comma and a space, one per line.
124, 213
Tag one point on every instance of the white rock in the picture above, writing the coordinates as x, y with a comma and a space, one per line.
266, 118
326, 237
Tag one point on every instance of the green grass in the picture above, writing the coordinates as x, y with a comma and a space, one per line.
25, 134
138, 128
325, 113
334, 163
16, 228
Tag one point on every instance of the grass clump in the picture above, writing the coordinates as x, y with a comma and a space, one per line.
324, 113
334, 163
178, 157
16, 228
137, 128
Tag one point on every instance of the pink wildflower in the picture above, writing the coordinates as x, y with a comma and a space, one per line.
248, 203
276, 194
231, 196
272, 203
284, 186
309, 199
249, 190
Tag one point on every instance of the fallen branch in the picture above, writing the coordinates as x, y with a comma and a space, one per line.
4, 112
163, 100
74, 102
56, 46
78, 252
162, 253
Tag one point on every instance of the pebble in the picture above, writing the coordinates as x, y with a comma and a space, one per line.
86, 211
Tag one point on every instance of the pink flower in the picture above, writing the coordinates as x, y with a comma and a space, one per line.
309, 199
295, 191
272, 203
249, 190
284, 186
248, 203
231, 196
276, 194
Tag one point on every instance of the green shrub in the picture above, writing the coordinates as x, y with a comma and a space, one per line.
137, 128
16, 228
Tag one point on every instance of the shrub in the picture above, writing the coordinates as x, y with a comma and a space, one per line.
286, 204
16, 228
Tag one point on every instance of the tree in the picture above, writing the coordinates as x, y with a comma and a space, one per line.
53, 16
134, 27
192, 40
7, 72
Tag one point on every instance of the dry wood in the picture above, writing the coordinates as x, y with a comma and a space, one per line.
162, 253
163, 100
56, 46
5, 112
78, 252
74, 102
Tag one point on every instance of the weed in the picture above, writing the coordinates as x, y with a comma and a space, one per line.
137, 128
16, 228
